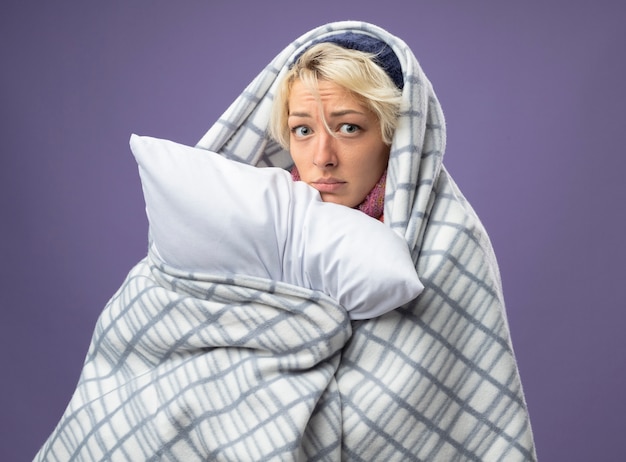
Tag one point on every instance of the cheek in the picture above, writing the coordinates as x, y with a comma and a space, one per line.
299, 160
370, 172
294, 151
380, 161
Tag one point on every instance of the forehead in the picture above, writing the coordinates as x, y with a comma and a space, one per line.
324, 92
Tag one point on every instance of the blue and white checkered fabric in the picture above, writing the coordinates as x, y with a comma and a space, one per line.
183, 367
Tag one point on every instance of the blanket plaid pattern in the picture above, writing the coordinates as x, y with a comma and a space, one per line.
183, 367
189, 367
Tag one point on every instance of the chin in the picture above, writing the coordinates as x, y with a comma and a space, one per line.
338, 200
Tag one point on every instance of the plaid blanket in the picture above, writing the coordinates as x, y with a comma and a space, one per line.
189, 367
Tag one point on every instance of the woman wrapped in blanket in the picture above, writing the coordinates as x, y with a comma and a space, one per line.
269, 323
435, 379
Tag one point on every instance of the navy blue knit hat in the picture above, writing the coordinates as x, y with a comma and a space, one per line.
383, 54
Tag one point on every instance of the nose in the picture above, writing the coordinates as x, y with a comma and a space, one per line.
325, 155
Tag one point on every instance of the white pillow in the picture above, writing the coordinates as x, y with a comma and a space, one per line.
213, 215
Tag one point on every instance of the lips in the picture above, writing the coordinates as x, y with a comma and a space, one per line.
328, 185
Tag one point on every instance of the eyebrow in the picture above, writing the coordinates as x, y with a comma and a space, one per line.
332, 114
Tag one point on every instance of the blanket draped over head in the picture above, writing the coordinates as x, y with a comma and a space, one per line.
196, 367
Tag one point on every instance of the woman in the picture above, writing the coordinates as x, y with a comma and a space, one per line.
184, 367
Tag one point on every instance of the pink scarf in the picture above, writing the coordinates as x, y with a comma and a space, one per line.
373, 204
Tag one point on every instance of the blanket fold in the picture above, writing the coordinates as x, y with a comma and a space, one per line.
185, 367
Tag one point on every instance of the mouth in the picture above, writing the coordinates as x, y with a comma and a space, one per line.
328, 185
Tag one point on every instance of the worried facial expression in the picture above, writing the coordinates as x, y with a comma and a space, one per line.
344, 158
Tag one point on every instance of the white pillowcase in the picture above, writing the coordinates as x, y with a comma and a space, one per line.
213, 215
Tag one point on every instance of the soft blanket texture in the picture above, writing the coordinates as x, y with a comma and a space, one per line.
185, 367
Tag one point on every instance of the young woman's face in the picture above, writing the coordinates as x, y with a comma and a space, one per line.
343, 165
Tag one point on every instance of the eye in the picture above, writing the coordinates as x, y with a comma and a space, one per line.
349, 129
301, 131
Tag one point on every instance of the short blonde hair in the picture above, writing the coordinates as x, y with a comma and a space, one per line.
352, 69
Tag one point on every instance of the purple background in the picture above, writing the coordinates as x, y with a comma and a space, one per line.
534, 97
